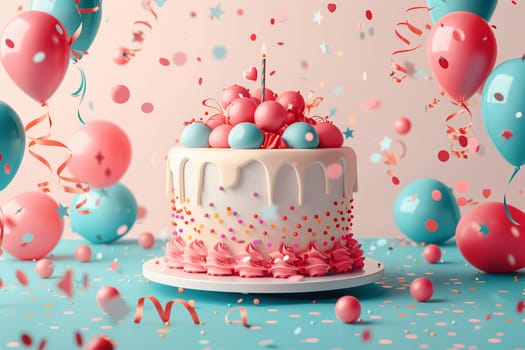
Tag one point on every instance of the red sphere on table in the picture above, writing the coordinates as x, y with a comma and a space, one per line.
348, 309
421, 289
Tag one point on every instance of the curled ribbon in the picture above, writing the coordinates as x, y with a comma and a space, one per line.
399, 72
459, 135
312, 102
81, 91
213, 104
164, 313
507, 212
244, 316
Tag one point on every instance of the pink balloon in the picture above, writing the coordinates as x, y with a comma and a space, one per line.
231, 93
461, 52
329, 135
101, 153
270, 116
34, 48
241, 110
488, 240
219, 136
293, 101
33, 225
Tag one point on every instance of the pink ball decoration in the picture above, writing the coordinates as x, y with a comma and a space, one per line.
122, 56
44, 268
241, 110
269, 95
83, 253
146, 240
329, 135
233, 92
101, 153
219, 136
348, 309
292, 101
270, 116
216, 120
100, 343
432, 253
105, 294
488, 240
402, 125
421, 289
32, 225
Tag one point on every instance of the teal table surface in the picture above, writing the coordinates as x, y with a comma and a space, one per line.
469, 309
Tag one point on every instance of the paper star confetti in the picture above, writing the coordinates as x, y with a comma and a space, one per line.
62, 210
318, 17
348, 133
216, 12
325, 49
483, 228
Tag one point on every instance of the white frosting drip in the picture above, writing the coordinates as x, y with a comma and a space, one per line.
229, 162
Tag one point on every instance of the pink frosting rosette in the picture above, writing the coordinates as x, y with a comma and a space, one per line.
251, 263
194, 257
340, 259
174, 250
315, 260
220, 262
284, 263
354, 248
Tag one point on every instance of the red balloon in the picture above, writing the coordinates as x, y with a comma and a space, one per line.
34, 48
461, 53
488, 240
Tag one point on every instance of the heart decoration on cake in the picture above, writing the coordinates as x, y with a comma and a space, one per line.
250, 73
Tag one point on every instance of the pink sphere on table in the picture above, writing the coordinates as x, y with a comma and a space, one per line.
33, 225
219, 136
44, 268
329, 135
233, 92
402, 125
270, 116
216, 120
105, 294
421, 289
146, 240
241, 110
83, 253
100, 343
269, 95
292, 101
101, 153
432, 253
348, 309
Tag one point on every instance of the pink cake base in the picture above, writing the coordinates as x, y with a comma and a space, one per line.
344, 256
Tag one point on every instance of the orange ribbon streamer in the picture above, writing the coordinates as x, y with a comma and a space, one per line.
399, 72
244, 316
459, 135
216, 106
312, 102
164, 313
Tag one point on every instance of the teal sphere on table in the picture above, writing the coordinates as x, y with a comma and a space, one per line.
426, 211
112, 212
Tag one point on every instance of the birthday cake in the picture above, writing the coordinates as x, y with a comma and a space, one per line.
260, 189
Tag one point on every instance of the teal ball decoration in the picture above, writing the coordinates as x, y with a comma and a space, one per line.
426, 211
301, 135
195, 135
246, 136
110, 213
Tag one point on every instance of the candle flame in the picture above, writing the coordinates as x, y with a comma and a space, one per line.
263, 51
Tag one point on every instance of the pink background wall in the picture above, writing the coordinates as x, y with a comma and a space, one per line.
353, 68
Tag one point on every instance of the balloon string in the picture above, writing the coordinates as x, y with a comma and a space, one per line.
399, 72
507, 212
459, 134
164, 313
81, 91
244, 316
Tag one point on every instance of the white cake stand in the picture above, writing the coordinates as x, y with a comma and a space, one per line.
157, 271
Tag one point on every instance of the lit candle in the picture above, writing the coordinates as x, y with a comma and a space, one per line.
263, 73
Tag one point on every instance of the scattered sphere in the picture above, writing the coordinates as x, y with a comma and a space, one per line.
83, 253
44, 268
270, 116
301, 135
402, 125
329, 135
292, 101
432, 253
120, 94
219, 136
146, 240
195, 135
105, 294
348, 309
100, 343
122, 56
245, 135
231, 93
241, 110
421, 289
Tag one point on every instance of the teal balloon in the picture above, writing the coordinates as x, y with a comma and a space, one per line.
65, 11
90, 25
12, 144
112, 212
482, 8
426, 211
503, 110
